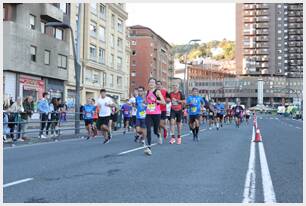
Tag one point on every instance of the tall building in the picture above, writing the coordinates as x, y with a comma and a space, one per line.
151, 57
269, 39
104, 50
34, 57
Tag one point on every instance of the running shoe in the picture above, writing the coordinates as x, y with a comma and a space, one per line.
179, 140
106, 141
136, 138
172, 140
147, 151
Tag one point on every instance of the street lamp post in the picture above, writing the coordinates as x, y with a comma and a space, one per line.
185, 70
77, 68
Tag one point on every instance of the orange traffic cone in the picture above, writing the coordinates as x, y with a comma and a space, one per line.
257, 136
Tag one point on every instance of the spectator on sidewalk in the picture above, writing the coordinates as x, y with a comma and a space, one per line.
53, 117
43, 109
6, 129
15, 117
28, 106
63, 109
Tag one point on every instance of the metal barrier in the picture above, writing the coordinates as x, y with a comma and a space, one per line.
12, 128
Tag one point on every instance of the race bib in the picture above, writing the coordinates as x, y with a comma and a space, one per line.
210, 113
142, 114
88, 115
175, 103
151, 107
126, 112
193, 109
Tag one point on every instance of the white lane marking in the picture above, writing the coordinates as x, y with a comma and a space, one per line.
250, 179
139, 148
269, 194
17, 182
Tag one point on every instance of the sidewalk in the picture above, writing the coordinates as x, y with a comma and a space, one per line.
35, 140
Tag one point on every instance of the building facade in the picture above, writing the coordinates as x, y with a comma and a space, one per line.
269, 39
103, 51
151, 57
35, 57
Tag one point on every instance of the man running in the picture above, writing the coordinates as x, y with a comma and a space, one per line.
219, 107
163, 108
127, 111
238, 109
88, 112
211, 115
132, 102
194, 103
153, 100
141, 116
177, 101
105, 104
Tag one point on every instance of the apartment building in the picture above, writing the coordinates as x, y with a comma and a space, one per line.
103, 50
269, 39
151, 57
34, 57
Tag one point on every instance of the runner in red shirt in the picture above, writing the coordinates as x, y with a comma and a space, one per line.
163, 108
177, 101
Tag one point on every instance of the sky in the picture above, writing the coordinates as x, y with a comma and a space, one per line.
178, 23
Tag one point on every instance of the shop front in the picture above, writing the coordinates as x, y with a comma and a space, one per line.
55, 88
31, 86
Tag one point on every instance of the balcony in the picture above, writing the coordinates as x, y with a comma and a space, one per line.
262, 38
262, 32
249, 19
296, 7
262, 51
262, 6
295, 19
249, 13
262, 25
262, 45
262, 19
249, 52
262, 59
262, 65
249, 32
249, 6
51, 13
262, 13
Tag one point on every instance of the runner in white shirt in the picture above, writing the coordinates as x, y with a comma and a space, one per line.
132, 102
168, 112
105, 104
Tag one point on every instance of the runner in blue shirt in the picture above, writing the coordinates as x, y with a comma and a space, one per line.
88, 116
141, 128
194, 103
219, 107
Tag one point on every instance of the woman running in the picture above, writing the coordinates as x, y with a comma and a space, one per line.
153, 99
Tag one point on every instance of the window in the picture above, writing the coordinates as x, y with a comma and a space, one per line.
133, 74
101, 56
112, 41
93, 8
279, 18
96, 78
111, 84
102, 11
101, 33
59, 33
119, 82
113, 21
43, 27
32, 21
119, 63
63, 7
134, 52
120, 25
112, 60
104, 78
62, 61
133, 42
47, 57
33, 53
120, 43
93, 29
92, 52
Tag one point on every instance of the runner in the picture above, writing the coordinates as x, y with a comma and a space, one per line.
163, 109
219, 107
127, 111
153, 99
211, 115
105, 104
247, 116
168, 107
141, 116
228, 117
194, 103
132, 102
95, 118
177, 100
88, 115
238, 109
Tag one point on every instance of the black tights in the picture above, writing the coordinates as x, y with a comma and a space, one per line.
152, 120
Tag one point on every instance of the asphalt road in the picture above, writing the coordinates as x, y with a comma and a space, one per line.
213, 170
